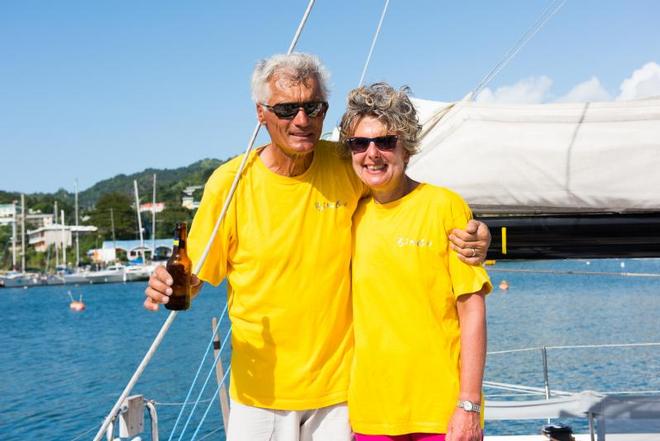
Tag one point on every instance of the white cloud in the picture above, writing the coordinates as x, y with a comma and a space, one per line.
643, 83
590, 90
531, 90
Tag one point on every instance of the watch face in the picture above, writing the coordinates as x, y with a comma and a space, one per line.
467, 406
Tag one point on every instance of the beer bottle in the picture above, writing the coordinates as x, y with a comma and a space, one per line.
180, 268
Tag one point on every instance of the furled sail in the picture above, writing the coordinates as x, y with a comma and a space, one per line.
545, 158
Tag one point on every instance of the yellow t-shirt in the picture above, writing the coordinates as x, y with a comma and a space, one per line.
285, 248
405, 373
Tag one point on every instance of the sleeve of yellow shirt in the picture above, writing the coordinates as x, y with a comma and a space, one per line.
466, 279
216, 189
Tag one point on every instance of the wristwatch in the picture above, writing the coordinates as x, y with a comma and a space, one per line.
469, 406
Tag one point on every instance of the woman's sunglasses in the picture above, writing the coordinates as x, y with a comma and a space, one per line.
289, 110
358, 144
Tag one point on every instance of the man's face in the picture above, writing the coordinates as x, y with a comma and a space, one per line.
297, 136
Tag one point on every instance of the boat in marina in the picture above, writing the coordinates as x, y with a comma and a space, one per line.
116, 273
112, 274
16, 279
136, 270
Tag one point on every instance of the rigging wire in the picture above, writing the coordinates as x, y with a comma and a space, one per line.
253, 138
604, 345
373, 43
530, 390
521, 388
547, 14
213, 432
452, 109
206, 412
199, 368
199, 396
177, 404
170, 319
136, 375
84, 433
521, 394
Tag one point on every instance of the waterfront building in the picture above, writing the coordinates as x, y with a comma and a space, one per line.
188, 198
148, 207
38, 219
132, 249
55, 234
7, 213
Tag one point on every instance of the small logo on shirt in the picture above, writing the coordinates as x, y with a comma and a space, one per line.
324, 205
407, 242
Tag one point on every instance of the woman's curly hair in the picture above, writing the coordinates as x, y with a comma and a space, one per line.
390, 106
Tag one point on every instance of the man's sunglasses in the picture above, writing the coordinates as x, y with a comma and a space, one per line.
358, 144
289, 110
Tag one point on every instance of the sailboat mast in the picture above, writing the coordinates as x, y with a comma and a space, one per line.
137, 208
153, 221
112, 226
13, 240
57, 247
77, 234
63, 236
22, 233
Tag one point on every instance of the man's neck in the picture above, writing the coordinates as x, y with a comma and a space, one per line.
279, 162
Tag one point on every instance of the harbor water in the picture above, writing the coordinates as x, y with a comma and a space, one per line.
62, 371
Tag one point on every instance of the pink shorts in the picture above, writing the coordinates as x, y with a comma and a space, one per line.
407, 437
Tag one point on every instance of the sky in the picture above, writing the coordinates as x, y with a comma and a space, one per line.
92, 89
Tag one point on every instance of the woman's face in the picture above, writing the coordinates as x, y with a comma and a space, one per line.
383, 171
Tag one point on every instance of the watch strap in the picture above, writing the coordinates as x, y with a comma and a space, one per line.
469, 406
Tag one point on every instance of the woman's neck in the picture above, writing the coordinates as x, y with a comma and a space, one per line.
405, 186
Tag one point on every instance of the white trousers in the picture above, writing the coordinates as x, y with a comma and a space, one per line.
247, 423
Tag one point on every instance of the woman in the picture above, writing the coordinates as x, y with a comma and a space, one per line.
419, 312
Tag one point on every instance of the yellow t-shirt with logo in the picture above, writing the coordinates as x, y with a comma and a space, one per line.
285, 248
405, 373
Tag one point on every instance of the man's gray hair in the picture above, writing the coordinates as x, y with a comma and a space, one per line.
388, 105
298, 66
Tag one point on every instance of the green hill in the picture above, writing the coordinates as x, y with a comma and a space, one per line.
110, 206
169, 183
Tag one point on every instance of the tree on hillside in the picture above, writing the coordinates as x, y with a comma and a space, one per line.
123, 215
45, 203
5, 247
8, 197
167, 219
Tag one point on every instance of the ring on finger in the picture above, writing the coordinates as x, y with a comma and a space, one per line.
474, 252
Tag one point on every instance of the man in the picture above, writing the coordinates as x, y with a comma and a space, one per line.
284, 247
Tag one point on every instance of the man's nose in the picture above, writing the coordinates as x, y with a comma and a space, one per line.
301, 117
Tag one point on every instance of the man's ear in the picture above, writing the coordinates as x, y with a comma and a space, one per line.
260, 114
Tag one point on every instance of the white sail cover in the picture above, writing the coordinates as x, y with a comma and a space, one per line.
546, 157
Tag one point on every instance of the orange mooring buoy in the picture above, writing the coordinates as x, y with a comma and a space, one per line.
77, 305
